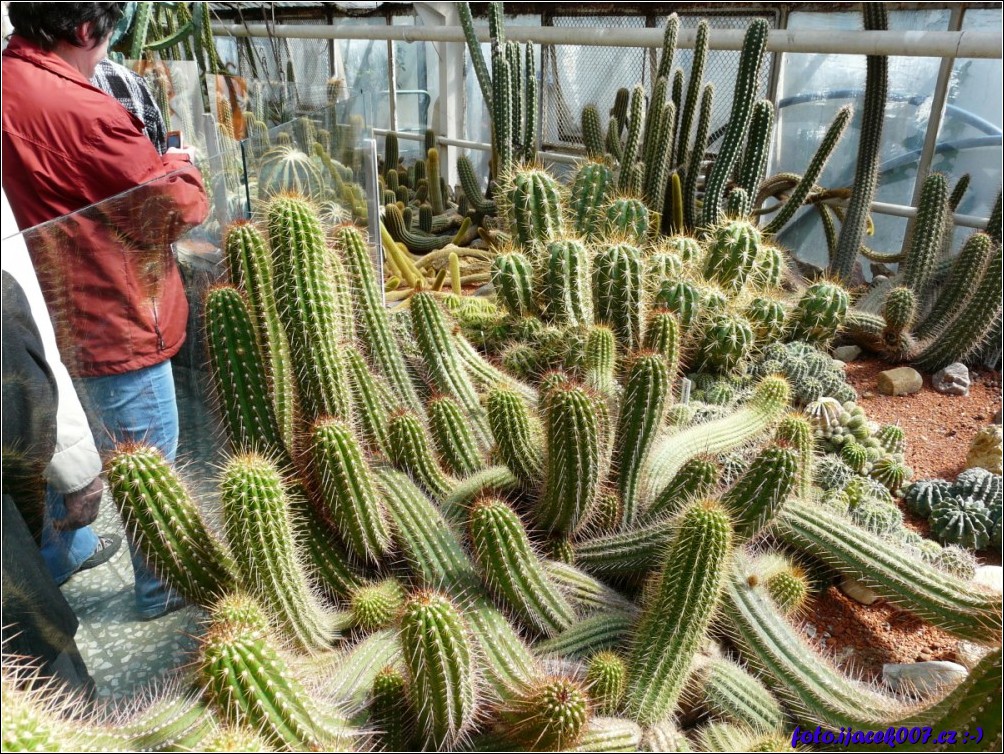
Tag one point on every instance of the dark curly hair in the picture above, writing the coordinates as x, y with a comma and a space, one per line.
45, 24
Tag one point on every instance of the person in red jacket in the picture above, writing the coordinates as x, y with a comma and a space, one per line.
106, 267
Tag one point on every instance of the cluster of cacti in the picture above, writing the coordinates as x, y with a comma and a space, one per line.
811, 374
936, 309
966, 512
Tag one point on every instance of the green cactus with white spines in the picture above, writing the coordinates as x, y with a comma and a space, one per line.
455, 445
761, 491
165, 521
550, 716
517, 433
590, 190
307, 305
632, 144
819, 314
376, 606
257, 521
533, 206
627, 218
928, 230
725, 341
409, 451
696, 479
646, 395
601, 359
512, 277
682, 605
564, 283
250, 266
574, 464
439, 654
732, 252
681, 298
727, 691
512, 569
347, 486
606, 678
618, 293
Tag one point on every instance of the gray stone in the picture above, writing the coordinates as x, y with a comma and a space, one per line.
952, 380
857, 591
991, 576
900, 381
987, 449
846, 353
922, 678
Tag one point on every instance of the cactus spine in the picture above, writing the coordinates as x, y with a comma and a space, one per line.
534, 203
928, 231
754, 164
550, 716
606, 681
761, 491
674, 623
590, 188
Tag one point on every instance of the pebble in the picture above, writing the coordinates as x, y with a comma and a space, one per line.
991, 576
922, 678
900, 381
987, 449
952, 380
810, 630
846, 353
858, 591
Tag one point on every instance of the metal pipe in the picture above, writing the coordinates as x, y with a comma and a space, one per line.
569, 159
901, 210
958, 44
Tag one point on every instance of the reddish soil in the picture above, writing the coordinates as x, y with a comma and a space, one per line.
939, 429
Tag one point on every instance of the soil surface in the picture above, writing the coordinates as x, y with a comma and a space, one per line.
858, 638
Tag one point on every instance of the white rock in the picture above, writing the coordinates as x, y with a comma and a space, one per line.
857, 591
987, 449
969, 653
991, 576
846, 353
952, 380
922, 677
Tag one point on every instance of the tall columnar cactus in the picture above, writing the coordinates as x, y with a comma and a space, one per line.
165, 521
452, 437
646, 394
962, 281
675, 621
346, 483
618, 293
747, 81
573, 468
533, 199
242, 386
250, 265
626, 218
502, 109
408, 449
564, 284
256, 517
375, 332
852, 230
696, 158
754, 164
439, 654
307, 304
472, 188
512, 569
591, 187
601, 359
592, 132
694, 84
761, 491
512, 277
928, 231
516, 433
633, 144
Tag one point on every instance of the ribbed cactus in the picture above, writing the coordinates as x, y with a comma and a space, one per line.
472, 188
852, 230
590, 189
376, 606
626, 218
346, 483
729, 692
256, 518
573, 467
725, 341
819, 313
618, 293
960, 285
250, 265
632, 145
439, 654
732, 253
606, 678
761, 491
564, 284
408, 449
533, 201
307, 306
550, 716
391, 712
928, 232
455, 444
682, 604
646, 394
696, 158
513, 571
516, 433
157, 509
592, 132
754, 164
512, 277
286, 170
238, 369
747, 81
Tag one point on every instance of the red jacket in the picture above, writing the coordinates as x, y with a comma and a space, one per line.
108, 274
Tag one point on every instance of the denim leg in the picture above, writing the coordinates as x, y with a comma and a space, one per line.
139, 406
64, 551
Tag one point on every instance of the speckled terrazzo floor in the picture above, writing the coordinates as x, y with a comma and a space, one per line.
124, 654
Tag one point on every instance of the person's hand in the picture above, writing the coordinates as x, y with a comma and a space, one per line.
81, 507
187, 151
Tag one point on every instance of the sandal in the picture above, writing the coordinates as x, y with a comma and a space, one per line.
108, 545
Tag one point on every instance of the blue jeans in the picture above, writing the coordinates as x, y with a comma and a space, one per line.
136, 406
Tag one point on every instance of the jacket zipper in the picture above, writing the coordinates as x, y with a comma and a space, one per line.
156, 328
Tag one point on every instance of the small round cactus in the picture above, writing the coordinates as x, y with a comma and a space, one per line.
605, 681
830, 473
377, 605
550, 716
876, 516
956, 561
